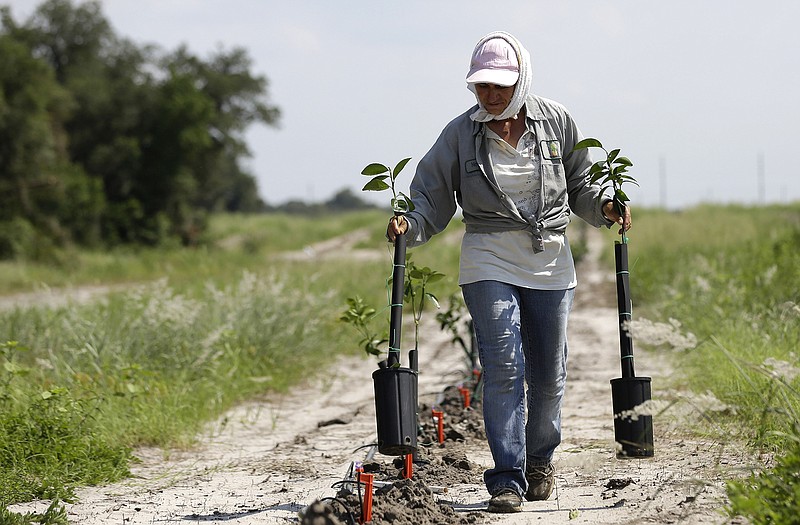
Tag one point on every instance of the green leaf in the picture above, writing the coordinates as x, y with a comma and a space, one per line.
434, 299
624, 160
587, 143
374, 169
376, 184
435, 276
597, 177
399, 167
409, 203
613, 155
356, 303
400, 205
372, 347
597, 167
621, 196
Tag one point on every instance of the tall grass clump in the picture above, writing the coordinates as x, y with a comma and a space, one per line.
731, 276
80, 386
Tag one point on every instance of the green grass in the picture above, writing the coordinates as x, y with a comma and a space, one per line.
195, 332
731, 276
149, 367
232, 241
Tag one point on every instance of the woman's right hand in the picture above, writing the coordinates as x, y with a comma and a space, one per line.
397, 226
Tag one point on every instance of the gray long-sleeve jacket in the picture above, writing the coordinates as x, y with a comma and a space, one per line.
458, 170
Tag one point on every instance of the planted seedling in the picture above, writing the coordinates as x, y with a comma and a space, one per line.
612, 172
359, 314
417, 279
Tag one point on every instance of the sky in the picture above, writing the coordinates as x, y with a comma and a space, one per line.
700, 94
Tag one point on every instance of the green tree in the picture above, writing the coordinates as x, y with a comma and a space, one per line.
45, 198
146, 142
70, 38
239, 99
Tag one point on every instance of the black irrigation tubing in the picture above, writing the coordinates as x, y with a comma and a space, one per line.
347, 511
352, 482
365, 446
346, 482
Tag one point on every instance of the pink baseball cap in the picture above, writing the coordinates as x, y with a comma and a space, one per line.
494, 62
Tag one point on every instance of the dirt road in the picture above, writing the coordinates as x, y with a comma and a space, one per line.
266, 461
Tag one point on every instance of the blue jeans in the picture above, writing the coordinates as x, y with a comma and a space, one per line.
522, 338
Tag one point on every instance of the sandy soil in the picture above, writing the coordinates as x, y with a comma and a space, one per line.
267, 461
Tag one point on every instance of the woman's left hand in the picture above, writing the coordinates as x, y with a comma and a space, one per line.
609, 210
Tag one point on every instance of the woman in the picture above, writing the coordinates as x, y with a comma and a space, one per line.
508, 163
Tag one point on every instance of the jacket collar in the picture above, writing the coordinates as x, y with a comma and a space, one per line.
533, 110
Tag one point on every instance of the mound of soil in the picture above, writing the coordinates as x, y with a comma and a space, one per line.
404, 502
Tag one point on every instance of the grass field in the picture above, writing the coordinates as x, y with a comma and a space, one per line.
195, 331
730, 275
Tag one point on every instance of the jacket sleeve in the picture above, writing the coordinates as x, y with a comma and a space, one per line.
433, 190
585, 199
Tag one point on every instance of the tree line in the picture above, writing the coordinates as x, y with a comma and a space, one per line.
105, 142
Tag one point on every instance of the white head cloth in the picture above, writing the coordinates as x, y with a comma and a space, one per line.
523, 85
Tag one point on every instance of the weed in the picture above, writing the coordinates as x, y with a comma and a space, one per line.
55, 514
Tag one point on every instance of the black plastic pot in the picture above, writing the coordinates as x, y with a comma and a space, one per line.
633, 432
396, 410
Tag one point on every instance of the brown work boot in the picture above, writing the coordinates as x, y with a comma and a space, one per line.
540, 482
507, 500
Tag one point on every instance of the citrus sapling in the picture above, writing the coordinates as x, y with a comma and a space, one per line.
635, 437
415, 278
612, 172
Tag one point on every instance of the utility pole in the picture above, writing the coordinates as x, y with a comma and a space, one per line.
760, 178
662, 177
